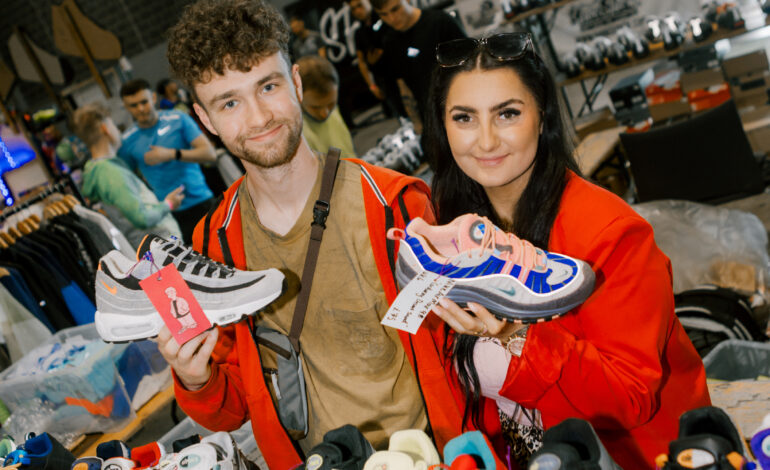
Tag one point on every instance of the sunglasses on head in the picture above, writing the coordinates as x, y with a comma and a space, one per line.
503, 47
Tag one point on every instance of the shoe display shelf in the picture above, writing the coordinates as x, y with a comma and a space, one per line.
739, 381
244, 438
657, 53
98, 392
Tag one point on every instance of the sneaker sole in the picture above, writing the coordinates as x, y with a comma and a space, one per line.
462, 293
138, 323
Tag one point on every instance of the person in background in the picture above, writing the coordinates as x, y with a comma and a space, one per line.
171, 96
369, 54
322, 123
305, 41
621, 360
410, 48
167, 148
128, 202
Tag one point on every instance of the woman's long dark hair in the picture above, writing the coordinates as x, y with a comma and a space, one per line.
455, 194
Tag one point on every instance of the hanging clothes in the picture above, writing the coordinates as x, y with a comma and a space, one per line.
20, 330
117, 238
19, 289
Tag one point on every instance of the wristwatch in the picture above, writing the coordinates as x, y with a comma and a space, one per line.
515, 343
177, 154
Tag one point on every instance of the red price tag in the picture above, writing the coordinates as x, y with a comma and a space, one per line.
175, 303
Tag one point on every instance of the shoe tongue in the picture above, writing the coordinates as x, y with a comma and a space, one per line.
149, 243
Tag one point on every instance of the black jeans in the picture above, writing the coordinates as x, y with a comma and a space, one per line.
188, 218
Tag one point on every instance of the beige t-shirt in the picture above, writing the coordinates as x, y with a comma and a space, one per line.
356, 371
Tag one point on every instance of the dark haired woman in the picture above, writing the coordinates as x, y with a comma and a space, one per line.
621, 360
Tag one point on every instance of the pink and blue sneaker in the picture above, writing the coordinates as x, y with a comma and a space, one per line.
509, 276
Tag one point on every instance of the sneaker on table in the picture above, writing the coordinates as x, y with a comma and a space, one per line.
41, 452
573, 443
216, 451
509, 276
88, 463
6, 446
760, 444
469, 450
119, 463
343, 448
226, 295
393, 460
148, 455
708, 440
416, 444
409, 449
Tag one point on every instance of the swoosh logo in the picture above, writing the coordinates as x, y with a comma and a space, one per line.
511, 291
163, 130
113, 290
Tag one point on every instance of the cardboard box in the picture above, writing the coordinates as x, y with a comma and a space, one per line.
751, 89
631, 116
665, 88
753, 97
708, 98
628, 93
759, 139
755, 114
700, 80
671, 109
747, 63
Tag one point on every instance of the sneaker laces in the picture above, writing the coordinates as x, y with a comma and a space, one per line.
523, 253
193, 258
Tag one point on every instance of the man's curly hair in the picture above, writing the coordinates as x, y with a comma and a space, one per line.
218, 35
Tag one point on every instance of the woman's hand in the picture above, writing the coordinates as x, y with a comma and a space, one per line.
478, 323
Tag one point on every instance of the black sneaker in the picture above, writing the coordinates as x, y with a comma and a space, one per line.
344, 448
572, 444
708, 440
41, 452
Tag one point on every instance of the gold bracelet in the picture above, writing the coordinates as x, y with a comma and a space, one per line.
515, 343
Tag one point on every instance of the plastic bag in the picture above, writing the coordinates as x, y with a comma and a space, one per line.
708, 244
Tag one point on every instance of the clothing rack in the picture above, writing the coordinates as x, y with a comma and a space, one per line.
62, 183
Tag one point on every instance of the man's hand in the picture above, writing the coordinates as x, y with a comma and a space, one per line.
191, 360
158, 154
175, 197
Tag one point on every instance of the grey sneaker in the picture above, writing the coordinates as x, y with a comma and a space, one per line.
226, 295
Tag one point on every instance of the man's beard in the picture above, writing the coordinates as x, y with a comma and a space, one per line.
277, 154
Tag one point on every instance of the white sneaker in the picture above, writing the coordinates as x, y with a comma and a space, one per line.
416, 444
217, 451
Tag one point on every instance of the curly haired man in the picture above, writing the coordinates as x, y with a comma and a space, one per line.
233, 55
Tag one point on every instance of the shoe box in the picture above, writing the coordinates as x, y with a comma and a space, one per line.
705, 89
745, 64
665, 96
629, 100
749, 79
756, 123
96, 391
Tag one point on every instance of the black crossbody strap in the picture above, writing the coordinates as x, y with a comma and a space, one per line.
320, 213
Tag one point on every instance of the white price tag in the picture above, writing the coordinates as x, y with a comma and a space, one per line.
416, 300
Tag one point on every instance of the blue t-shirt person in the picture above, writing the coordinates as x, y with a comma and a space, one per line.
172, 130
